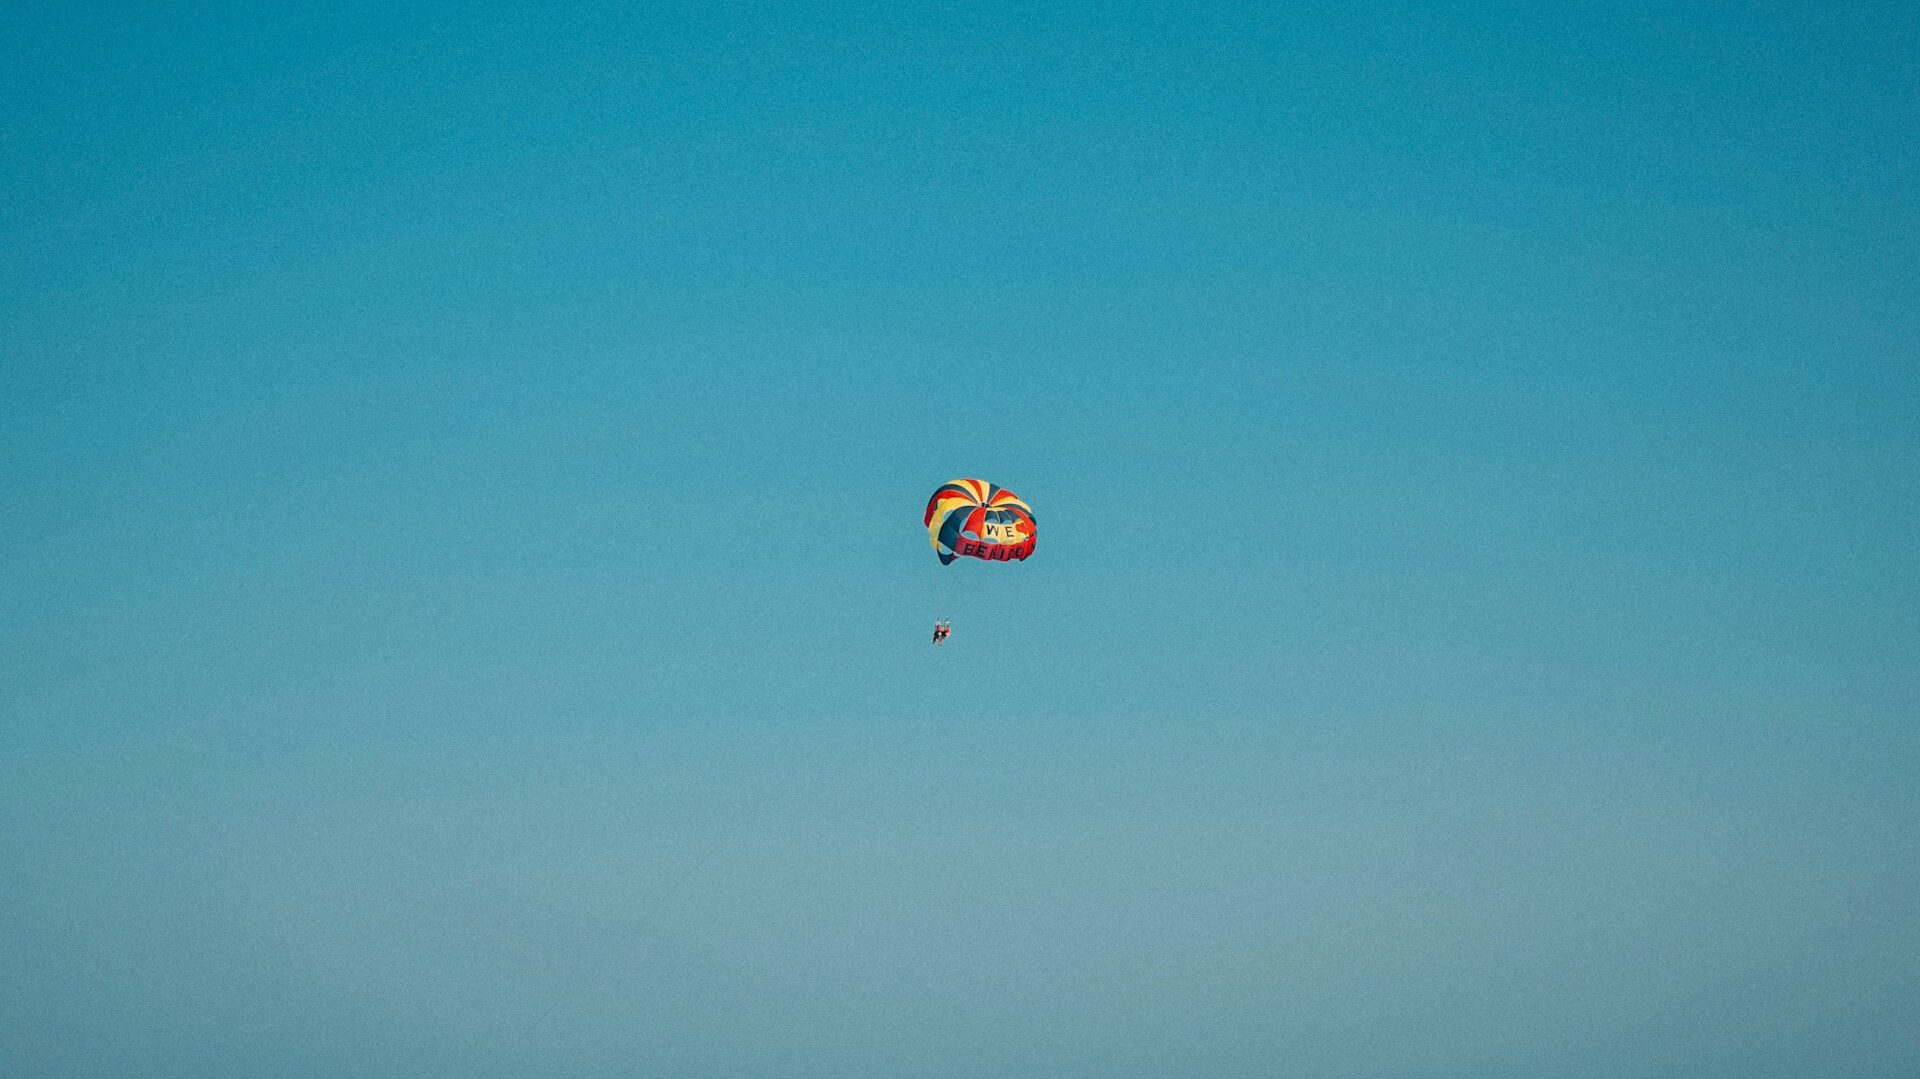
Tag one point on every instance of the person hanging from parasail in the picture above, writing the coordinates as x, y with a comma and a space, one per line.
940, 631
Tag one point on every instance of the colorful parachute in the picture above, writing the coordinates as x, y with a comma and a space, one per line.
977, 519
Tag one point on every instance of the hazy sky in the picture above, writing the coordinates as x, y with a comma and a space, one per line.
464, 608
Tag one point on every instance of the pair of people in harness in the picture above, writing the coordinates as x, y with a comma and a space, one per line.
940, 631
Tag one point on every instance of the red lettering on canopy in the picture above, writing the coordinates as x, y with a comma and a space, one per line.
994, 552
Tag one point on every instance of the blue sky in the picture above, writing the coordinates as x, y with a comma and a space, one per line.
463, 608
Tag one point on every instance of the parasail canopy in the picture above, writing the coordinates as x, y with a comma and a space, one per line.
980, 520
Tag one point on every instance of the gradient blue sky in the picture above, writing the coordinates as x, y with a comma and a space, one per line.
463, 607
